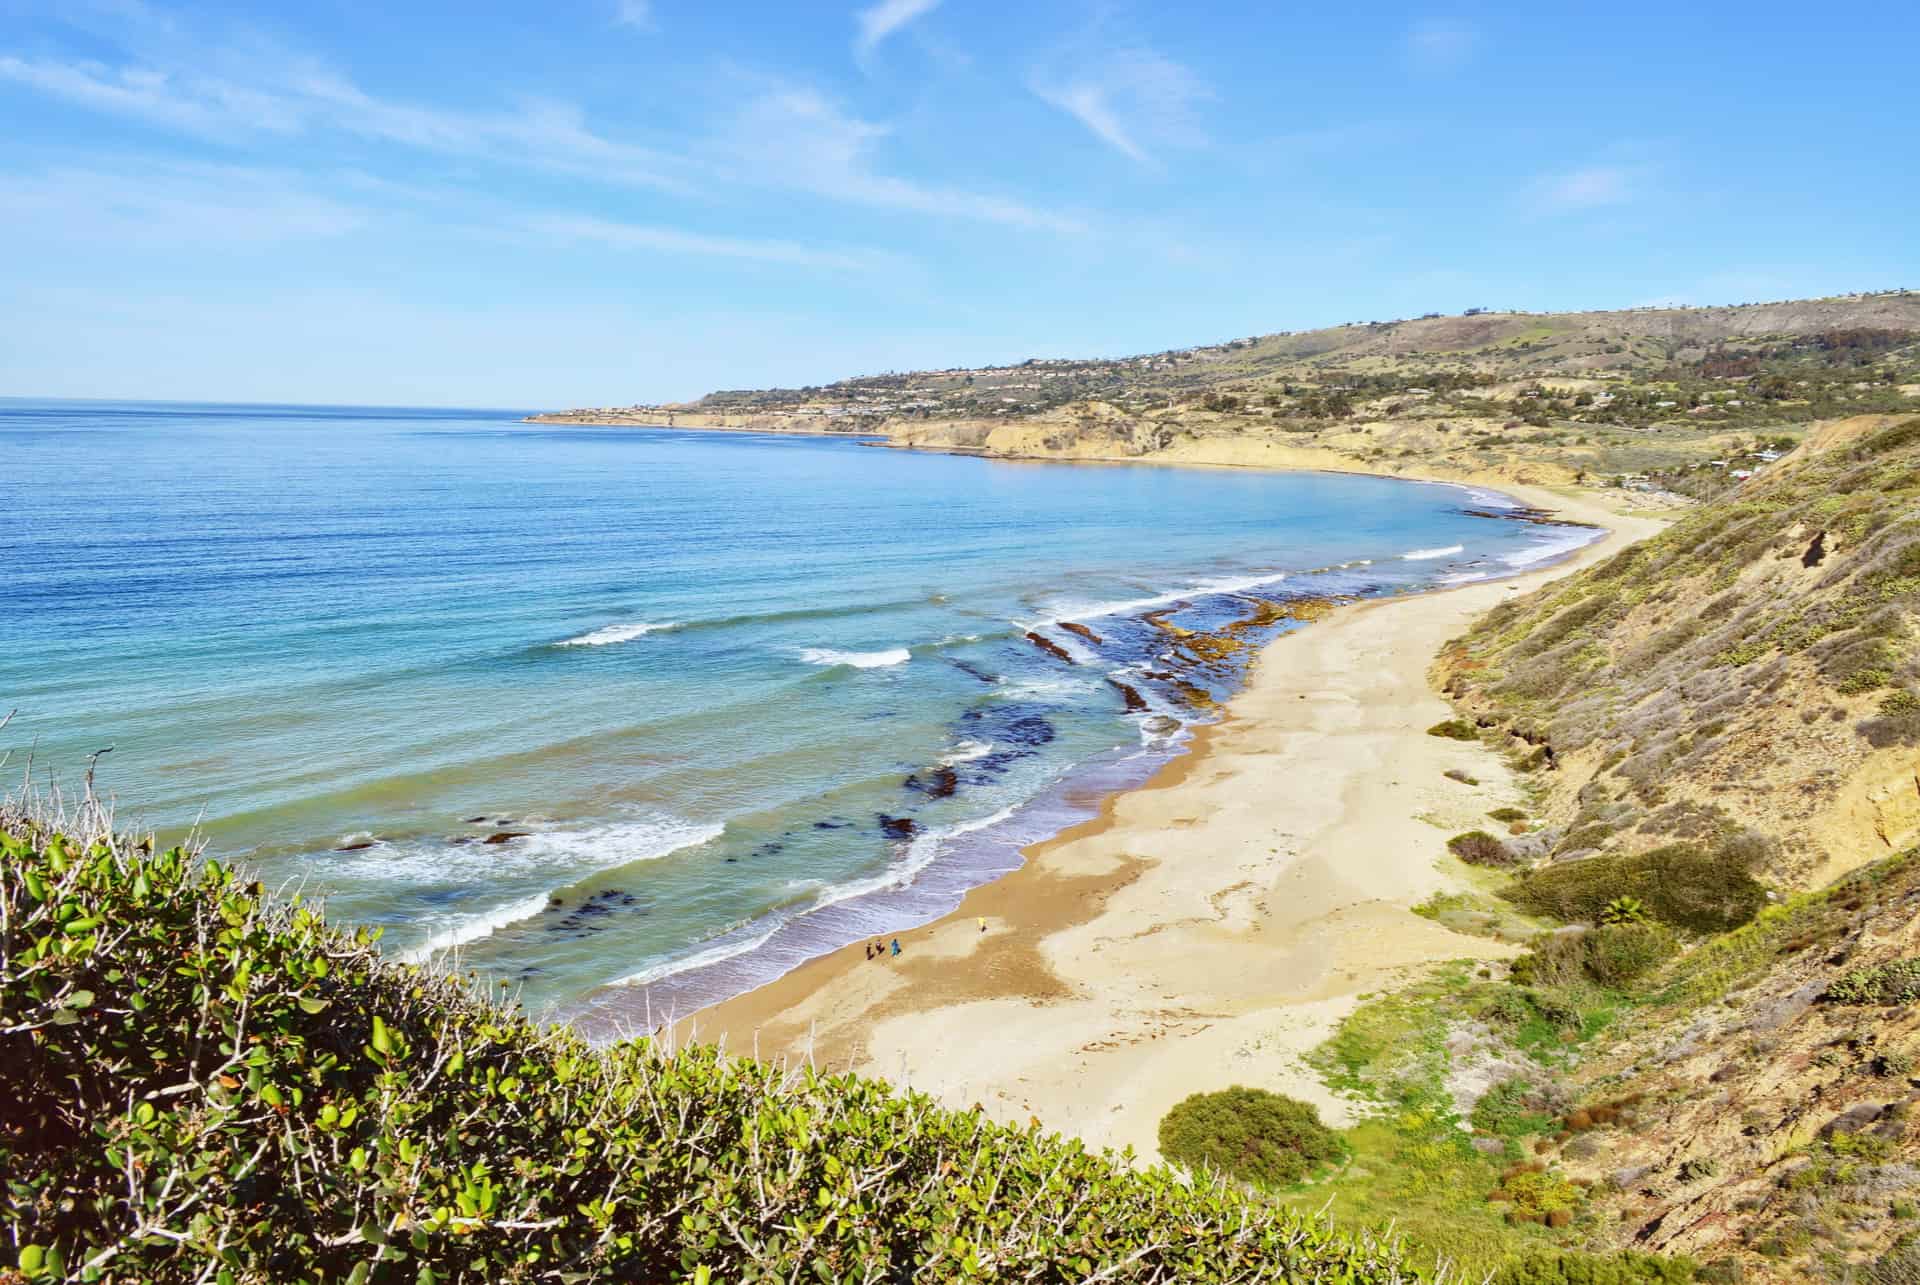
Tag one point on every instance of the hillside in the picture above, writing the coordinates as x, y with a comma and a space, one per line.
1751, 668
1710, 1047
1650, 397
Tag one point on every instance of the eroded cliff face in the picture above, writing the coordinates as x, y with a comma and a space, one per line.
1753, 668
1097, 431
1746, 683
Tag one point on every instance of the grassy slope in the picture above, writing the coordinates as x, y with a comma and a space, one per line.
206, 1084
1726, 686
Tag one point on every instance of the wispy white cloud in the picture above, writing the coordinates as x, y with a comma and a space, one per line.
256, 96
196, 104
1440, 44
663, 240
1133, 100
798, 138
146, 206
875, 24
1587, 188
296, 96
634, 13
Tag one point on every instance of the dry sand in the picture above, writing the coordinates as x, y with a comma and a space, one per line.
1207, 928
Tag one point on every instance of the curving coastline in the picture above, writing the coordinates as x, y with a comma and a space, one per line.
1205, 928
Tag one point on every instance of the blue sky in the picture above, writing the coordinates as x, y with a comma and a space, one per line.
601, 201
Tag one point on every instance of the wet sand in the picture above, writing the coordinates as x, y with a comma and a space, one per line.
1207, 928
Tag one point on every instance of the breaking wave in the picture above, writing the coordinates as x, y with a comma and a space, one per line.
615, 634
826, 657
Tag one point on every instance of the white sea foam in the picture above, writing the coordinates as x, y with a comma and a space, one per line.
1423, 555
1042, 689
550, 858
470, 928
918, 854
966, 752
827, 657
719, 952
616, 634
1200, 589
1557, 547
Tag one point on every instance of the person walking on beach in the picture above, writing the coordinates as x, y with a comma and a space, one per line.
983, 923
869, 950
896, 948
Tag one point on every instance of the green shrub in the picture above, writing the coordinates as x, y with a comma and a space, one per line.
1455, 729
1585, 837
204, 1083
1890, 439
1554, 959
1624, 910
1894, 983
1901, 727
1535, 1193
1513, 1108
1620, 954
1573, 1268
1680, 884
1614, 955
1508, 815
1258, 1137
1478, 848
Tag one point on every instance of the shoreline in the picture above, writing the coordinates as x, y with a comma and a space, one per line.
1210, 925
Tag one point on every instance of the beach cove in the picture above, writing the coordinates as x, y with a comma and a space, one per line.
1207, 928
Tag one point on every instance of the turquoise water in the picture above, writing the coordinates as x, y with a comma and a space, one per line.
710, 681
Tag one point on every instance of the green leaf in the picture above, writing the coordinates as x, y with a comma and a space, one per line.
312, 1006
80, 999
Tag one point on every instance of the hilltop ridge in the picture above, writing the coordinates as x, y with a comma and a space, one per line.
1637, 395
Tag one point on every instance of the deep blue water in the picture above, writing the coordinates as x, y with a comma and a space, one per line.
711, 680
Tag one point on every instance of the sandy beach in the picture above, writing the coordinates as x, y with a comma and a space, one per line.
1207, 928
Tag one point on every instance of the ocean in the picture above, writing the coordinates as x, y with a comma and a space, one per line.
636, 719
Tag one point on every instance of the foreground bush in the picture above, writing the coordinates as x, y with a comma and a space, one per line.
1250, 1134
1681, 884
203, 1083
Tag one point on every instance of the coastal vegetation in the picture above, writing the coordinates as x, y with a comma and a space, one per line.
1258, 1137
205, 1082
1709, 1049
